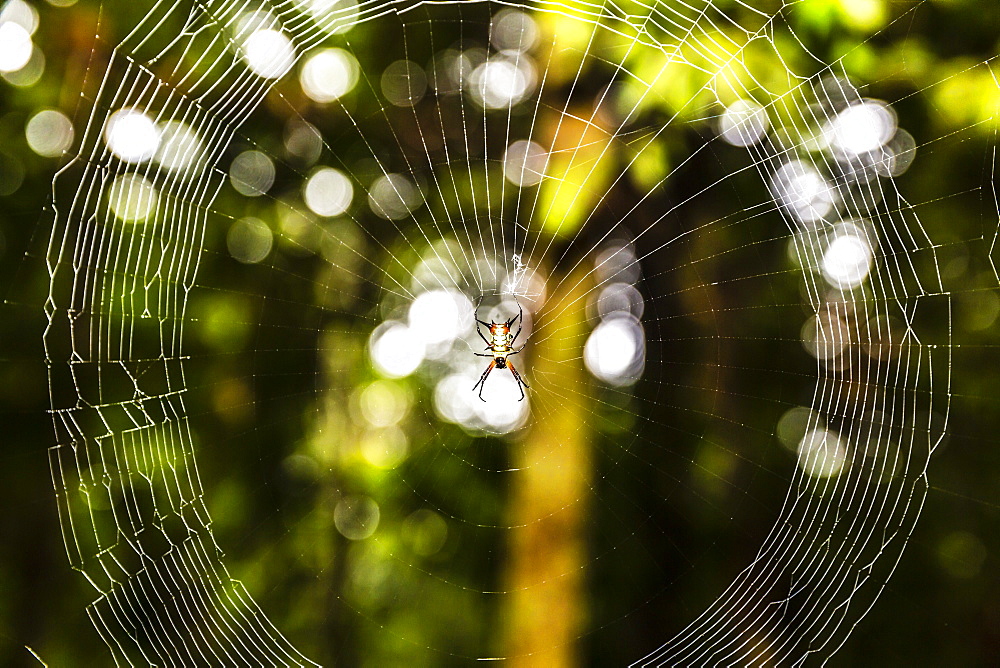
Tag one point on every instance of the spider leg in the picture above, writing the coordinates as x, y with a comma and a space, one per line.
482, 381
520, 314
483, 354
514, 352
517, 377
480, 333
520, 326
476, 316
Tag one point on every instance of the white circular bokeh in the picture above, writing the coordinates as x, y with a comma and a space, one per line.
328, 192
847, 260
396, 350
329, 74
615, 351
524, 163
49, 133
252, 173
268, 53
822, 454
440, 316
131, 135
744, 123
861, 128
249, 240
181, 150
15, 46
394, 196
356, 517
132, 198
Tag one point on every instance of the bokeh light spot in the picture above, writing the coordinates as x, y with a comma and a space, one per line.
524, 163
502, 81
49, 133
356, 517
252, 173
847, 260
393, 196
803, 191
396, 351
132, 135
440, 316
249, 240
822, 454
15, 46
328, 192
268, 53
132, 198
21, 13
383, 403
385, 448
861, 128
404, 83
181, 150
329, 74
744, 123
513, 30
425, 531
615, 351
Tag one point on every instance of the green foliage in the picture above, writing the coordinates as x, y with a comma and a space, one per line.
278, 369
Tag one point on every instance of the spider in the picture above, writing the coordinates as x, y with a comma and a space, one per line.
500, 344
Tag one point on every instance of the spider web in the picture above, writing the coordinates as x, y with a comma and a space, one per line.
444, 205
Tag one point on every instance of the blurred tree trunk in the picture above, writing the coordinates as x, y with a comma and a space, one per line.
546, 608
